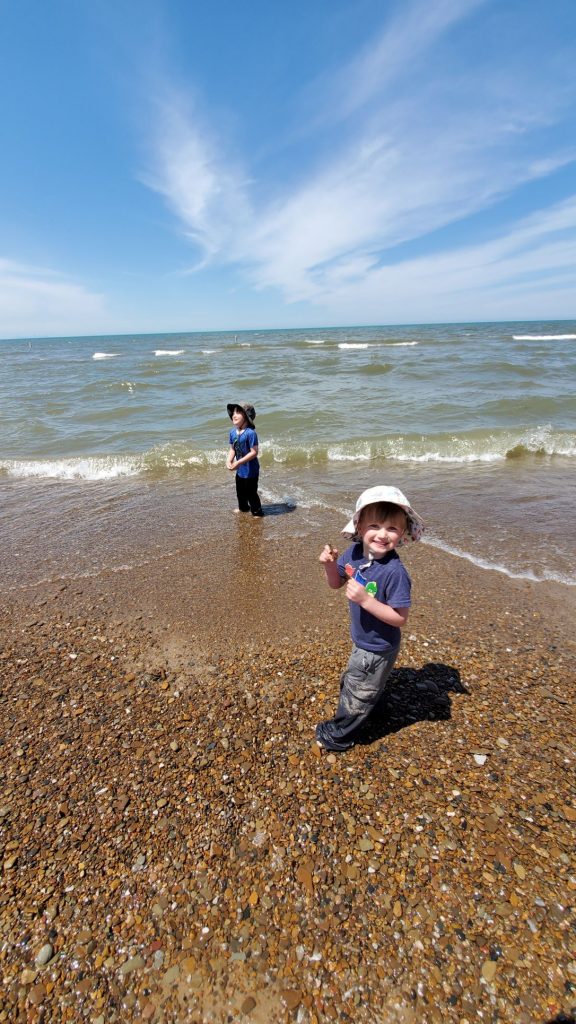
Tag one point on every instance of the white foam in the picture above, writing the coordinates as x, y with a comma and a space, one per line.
208, 351
353, 344
482, 563
314, 341
105, 355
544, 337
437, 457
338, 454
169, 352
74, 469
401, 344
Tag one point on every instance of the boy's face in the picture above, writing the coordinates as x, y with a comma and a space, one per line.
380, 535
238, 418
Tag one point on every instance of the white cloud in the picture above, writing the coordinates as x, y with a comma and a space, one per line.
206, 195
413, 160
393, 55
39, 302
529, 271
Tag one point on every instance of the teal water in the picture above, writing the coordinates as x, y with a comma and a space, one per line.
476, 422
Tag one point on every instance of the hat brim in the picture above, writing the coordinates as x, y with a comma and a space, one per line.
236, 405
415, 523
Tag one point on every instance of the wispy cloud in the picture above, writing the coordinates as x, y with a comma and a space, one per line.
412, 160
34, 300
189, 170
393, 55
534, 258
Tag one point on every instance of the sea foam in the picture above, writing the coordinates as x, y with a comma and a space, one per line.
74, 469
544, 337
513, 574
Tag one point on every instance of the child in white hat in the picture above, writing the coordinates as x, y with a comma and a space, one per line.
378, 590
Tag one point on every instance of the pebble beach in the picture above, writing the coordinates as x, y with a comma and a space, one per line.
175, 847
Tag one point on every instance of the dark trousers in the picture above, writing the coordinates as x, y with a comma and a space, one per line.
247, 494
361, 687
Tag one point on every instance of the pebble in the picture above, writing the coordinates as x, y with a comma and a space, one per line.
206, 864
44, 955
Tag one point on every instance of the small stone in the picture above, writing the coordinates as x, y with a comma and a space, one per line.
304, 875
248, 1004
489, 968
292, 998
37, 994
365, 845
171, 975
136, 963
44, 955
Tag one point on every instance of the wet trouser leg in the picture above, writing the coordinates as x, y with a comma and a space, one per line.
242, 496
247, 494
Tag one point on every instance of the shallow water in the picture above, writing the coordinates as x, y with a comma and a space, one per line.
113, 448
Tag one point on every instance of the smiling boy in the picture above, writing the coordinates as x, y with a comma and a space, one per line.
378, 590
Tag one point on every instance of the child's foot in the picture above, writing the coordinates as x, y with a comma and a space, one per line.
258, 515
326, 745
240, 511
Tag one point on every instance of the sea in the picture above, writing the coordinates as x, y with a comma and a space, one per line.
114, 447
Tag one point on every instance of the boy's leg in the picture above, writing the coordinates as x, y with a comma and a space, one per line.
361, 687
253, 496
241, 494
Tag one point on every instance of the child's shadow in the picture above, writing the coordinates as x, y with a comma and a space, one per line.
279, 508
413, 695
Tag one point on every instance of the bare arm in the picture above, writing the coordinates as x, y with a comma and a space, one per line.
391, 616
232, 462
328, 557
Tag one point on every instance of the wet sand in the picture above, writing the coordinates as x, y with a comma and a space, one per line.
176, 848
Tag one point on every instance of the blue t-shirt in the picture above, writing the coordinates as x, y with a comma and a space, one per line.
242, 441
394, 586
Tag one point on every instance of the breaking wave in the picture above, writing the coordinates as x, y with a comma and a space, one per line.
541, 442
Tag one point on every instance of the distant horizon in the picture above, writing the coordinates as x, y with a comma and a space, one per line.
401, 163
280, 330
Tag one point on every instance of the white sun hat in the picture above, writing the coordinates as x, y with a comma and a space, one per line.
394, 496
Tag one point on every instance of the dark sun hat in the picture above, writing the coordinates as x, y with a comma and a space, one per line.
245, 407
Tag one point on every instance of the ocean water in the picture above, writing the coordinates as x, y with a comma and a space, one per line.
113, 444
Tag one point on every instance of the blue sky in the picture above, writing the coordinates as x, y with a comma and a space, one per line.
173, 165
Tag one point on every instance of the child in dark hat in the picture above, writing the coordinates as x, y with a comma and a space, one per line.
242, 457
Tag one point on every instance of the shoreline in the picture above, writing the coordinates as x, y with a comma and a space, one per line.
174, 836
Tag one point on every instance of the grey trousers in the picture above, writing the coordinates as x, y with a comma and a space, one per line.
361, 687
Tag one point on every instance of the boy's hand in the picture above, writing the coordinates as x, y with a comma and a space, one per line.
357, 592
328, 554
231, 465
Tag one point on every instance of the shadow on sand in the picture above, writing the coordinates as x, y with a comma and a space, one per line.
280, 508
413, 695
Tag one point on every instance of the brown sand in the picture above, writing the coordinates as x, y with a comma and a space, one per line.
176, 849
